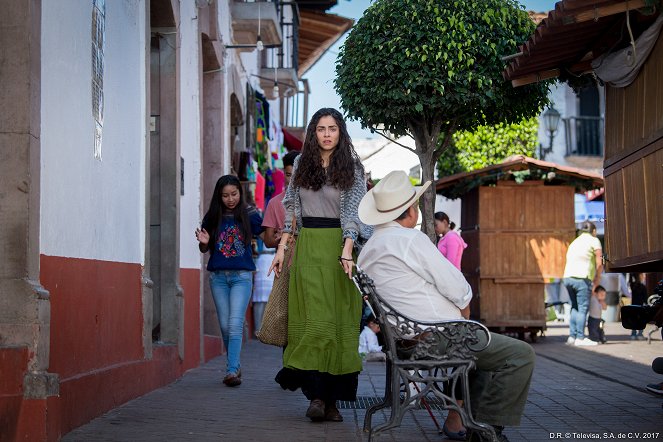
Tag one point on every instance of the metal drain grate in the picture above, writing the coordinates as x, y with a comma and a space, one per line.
363, 402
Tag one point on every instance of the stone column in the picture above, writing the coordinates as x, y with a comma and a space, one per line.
24, 303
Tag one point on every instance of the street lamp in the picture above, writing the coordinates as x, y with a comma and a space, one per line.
550, 121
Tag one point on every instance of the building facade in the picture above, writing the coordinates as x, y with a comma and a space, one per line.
117, 120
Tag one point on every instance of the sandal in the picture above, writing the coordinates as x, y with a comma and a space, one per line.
460, 435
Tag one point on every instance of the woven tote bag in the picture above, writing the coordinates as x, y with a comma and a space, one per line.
274, 326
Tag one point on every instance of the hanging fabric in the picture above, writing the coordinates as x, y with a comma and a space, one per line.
621, 68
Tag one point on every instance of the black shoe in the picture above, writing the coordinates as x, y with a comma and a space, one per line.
232, 379
316, 411
479, 437
332, 413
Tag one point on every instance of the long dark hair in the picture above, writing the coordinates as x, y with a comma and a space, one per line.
341, 171
441, 216
217, 208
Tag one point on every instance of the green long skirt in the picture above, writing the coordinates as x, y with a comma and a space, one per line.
324, 312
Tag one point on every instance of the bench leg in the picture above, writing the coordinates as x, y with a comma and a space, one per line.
380, 405
486, 432
398, 407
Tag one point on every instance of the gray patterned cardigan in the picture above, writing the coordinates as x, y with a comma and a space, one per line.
352, 227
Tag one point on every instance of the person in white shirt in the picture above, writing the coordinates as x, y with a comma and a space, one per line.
419, 282
582, 273
369, 347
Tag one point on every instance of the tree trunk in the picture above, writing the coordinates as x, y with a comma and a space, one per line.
427, 201
425, 140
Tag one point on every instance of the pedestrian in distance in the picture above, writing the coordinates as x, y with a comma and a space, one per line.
274, 219
637, 283
582, 273
324, 306
226, 233
594, 321
450, 243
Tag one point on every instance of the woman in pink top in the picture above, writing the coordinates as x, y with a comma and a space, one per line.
451, 245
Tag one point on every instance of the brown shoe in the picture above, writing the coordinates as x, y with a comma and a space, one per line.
316, 411
332, 413
232, 380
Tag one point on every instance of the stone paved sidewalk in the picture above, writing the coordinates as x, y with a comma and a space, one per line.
592, 392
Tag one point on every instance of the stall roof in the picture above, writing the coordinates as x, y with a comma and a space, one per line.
572, 35
457, 185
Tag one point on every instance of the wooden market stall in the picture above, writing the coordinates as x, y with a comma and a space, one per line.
580, 41
518, 219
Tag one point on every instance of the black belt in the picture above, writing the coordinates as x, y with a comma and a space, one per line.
315, 222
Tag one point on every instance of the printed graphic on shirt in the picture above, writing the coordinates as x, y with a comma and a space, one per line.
230, 242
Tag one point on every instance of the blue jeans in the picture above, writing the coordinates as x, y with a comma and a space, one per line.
579, 291
231, 291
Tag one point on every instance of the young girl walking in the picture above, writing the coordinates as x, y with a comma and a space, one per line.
226, 233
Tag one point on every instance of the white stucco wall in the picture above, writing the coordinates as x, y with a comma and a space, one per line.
89, 208
190, 133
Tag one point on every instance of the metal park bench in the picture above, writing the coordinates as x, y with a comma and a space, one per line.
423, 357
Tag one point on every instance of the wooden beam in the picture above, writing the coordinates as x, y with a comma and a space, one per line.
605, 11
535, 78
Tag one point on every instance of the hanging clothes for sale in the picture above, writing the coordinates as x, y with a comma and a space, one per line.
275, 133
278, 178
269, 185
262, 127
260, 192
291, 142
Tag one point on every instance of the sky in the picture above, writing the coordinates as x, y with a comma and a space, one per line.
321, 75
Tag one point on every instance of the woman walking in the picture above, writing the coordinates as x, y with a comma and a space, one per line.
230, 225
324, 306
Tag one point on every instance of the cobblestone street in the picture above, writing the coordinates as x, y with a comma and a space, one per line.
594, 392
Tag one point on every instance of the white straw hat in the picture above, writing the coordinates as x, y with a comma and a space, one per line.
389, 198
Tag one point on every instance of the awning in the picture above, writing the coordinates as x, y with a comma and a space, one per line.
574, 34
318, 31
291, 142
456, 185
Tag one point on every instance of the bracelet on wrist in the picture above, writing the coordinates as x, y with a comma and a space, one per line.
285, 246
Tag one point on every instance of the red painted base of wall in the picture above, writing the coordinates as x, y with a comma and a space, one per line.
97, 346
13, 367
213, 347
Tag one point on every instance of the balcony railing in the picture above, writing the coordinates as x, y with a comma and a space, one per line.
584, 136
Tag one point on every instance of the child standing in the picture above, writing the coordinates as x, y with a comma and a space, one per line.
368, 341
594, 322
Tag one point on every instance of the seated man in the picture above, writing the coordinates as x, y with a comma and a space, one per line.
413, 276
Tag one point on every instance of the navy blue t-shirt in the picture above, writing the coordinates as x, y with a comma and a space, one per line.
228, 251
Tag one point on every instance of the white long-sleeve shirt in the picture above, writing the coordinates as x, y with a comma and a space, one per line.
368, 341
412, 275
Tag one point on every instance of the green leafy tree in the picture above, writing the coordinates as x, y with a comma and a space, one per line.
487, 145
429, 68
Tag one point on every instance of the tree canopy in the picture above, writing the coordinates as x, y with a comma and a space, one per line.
414, 60
487, 145
428, 68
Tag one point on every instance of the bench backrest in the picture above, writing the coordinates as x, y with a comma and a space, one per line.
409, 339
